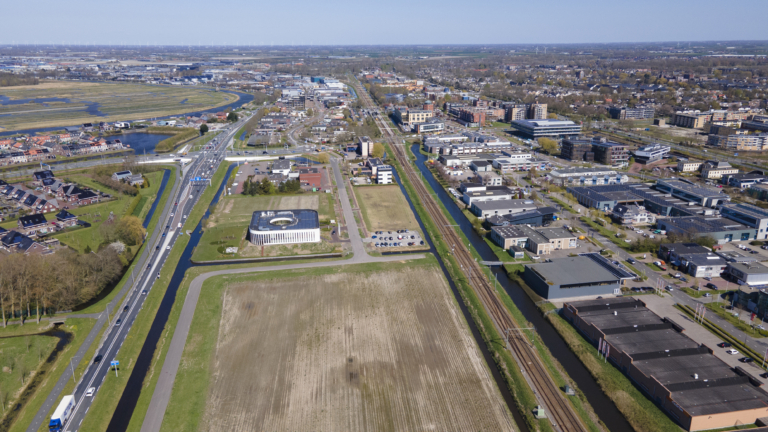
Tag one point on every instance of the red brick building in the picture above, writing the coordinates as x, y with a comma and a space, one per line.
311, 177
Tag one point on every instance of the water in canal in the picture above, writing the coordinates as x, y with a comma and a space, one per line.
130, 396
140, 142
604, 408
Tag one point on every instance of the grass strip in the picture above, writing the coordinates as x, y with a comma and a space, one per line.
50, 373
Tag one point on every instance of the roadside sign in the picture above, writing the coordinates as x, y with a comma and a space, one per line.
114, 364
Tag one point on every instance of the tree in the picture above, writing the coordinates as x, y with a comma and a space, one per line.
87, 249
549, 145
130, 230
323, 158
232, 117
378, 150
266, 187
203, 129
552, 116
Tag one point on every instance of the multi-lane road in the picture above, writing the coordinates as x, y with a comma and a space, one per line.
123, 317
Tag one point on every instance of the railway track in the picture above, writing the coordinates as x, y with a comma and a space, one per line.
558, 410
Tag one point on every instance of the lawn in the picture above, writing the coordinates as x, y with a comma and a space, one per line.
234, 316
115, 101
227, 226
19, 356
49, 373
385, 208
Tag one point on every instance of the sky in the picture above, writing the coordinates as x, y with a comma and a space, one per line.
393, 22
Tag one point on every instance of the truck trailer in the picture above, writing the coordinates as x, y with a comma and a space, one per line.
62, 414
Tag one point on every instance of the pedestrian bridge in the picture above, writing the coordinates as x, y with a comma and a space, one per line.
492, 263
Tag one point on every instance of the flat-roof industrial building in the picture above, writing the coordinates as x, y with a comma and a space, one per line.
284, 227
582, 275
695, 388
721, 229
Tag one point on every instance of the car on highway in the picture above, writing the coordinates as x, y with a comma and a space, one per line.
98, 358
732, 352
90, 391
144, 292
125, 308
168, 247
158, 275
724, 345
118, 322
746, 360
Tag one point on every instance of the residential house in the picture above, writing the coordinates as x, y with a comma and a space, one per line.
66, 219
32, 224
630, 214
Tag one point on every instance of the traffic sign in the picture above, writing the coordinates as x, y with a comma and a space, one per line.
114, 363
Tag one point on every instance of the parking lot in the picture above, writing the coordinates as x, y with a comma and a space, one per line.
383, 240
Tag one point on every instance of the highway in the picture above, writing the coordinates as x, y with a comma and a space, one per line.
120, 323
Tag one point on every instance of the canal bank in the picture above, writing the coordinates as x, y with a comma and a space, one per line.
603, 407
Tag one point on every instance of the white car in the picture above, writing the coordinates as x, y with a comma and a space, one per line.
167, 248
732, 351
90, 392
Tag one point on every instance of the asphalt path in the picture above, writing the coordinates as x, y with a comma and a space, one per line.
164, 236
162, 394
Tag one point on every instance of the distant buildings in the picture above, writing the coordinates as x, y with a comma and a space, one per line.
546, 128
651, 153
688, 166
586, 177
410, 117
639, 113
595, 149
537, 111
714, 169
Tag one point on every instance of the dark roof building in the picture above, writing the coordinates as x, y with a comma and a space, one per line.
571, 277
695, 388
32, 221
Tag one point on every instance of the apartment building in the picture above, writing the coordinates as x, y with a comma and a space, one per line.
472, 117
537, 111
515, 112
639, 113
739, 142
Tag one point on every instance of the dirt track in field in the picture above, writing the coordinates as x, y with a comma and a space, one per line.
349, 352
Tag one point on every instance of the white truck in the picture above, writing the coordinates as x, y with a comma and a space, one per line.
62, 414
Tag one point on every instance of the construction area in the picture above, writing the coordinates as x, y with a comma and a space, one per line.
695, 388
370, 349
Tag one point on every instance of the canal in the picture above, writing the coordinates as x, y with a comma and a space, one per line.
130, 396
604, 408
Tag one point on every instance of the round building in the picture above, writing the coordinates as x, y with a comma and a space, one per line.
284, 227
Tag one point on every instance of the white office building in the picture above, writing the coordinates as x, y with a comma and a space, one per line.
284, 227
384, 174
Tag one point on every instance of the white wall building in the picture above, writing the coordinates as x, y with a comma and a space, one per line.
284, 227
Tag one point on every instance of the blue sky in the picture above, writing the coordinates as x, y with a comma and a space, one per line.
346, 22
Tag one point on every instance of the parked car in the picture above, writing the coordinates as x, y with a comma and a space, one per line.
746, 360
724, 345
732, 351
631, 260
711, 285
683, 279
677, 276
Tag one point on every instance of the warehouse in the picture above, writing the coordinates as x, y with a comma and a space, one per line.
541, 216
484, 209
687, 191
721, 229
695, 388
572, 277
284, 227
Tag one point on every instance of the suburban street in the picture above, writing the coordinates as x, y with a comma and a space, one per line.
186, 193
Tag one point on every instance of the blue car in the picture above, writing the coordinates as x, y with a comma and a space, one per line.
373, 236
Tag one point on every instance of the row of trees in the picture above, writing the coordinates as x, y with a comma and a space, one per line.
35, 285
265, 187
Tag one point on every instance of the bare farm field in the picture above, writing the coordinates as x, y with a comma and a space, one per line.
377, 347
67, 103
